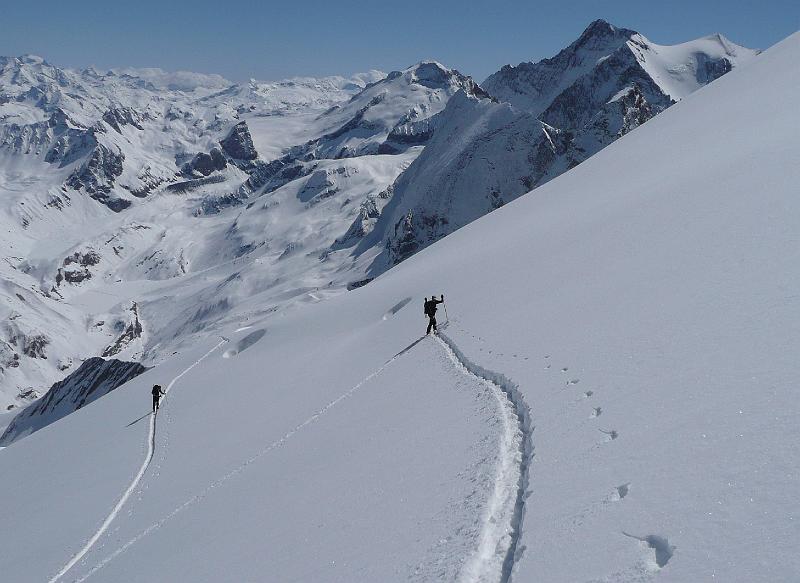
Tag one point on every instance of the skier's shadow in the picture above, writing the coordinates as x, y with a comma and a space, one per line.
139, 419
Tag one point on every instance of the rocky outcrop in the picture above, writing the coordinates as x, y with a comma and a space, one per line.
409, 131
189, 185
117, 117
9, 358
97, 175
573, 108
238, 144
70, 146
28, 342
130, 332
75, 267
533, 86
93, 379
205, 164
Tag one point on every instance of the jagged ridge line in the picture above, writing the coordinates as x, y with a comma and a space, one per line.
121, 502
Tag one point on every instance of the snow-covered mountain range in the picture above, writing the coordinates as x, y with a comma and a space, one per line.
546, 118
139, 208
612, 397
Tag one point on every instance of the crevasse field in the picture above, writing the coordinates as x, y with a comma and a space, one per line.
613, 398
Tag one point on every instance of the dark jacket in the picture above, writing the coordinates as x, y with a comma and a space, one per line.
430, 307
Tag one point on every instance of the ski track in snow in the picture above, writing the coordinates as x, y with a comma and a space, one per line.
236, 471
121, 502
499, 546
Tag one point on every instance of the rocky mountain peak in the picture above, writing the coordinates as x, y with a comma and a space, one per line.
430, 74
552, 115
238, 144
601, 31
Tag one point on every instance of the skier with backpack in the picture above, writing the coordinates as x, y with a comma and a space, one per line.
430, 312
157, 394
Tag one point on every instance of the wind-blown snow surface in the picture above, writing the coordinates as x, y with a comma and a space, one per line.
644, 306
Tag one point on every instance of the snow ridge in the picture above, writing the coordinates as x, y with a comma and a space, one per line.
151, 442
234, 472
499, 546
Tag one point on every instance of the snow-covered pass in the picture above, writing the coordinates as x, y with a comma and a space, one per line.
614, 398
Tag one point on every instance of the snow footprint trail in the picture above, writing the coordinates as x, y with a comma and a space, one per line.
499, 548
239, 469
151, 442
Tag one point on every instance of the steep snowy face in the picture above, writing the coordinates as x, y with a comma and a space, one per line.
552, 115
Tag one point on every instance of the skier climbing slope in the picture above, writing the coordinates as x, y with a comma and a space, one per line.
157, 394
430, 312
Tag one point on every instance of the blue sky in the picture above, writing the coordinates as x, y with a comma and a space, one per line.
271, 40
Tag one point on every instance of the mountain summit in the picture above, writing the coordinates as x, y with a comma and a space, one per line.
549, 117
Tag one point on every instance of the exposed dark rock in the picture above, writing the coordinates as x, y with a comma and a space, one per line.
538, 83
205, 164
9, 358
122, 116
562, 111
93, 379
97, 175
357, 284
238, 144
76, 275
187, 185
214, 204
85, 259
364, 223
710, 70
149, 183
356, 121
28, 395
31, 345
408, 132
71, 145
115, 204
574, 108
132, 331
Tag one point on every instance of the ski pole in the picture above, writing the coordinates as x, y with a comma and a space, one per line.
446, 317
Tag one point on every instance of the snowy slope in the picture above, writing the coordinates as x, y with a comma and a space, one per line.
635, 321
552, 115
